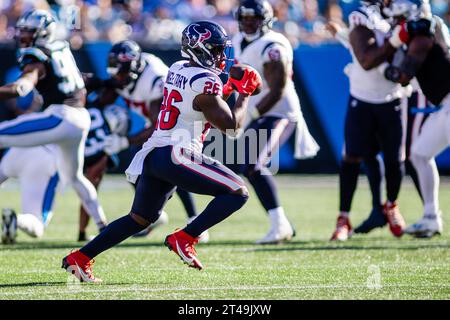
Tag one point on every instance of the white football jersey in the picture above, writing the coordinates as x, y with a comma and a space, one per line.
178, 122
272, 46
148, 87
370, 85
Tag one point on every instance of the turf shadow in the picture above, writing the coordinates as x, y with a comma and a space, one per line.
33, 284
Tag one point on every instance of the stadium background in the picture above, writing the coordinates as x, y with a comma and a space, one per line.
157, 26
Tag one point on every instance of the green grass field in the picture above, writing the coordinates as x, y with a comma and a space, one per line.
374, 266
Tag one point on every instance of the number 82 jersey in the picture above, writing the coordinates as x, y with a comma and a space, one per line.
63, 83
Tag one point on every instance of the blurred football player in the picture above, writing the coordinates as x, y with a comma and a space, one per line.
48, 65
173, 154
428, 60
276, 110
374, 118
374, 166
37, 172
138, 77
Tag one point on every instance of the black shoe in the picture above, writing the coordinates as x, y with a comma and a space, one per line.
376, 219
82, 236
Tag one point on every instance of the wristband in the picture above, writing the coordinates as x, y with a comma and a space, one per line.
24, 87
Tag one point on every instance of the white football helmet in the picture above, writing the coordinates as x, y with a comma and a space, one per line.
40, 24
117, 118
409, 9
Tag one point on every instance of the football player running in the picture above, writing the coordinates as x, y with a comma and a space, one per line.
276, 110
48, 65
173, 157
374, 117
138, 77
428, 60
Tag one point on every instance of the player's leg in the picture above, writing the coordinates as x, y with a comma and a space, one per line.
197, 173
35, 167
32, 130
390, 133
271, 133
150, 197
94, 173
67, 127
374, 167
9, 217
71, 161
359, 143
37, 195
433, 138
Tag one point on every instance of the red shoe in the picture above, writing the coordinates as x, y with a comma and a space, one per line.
396, 222
343, 229
80, 266
183, 245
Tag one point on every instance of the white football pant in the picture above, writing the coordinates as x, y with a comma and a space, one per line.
67, 128
433, 138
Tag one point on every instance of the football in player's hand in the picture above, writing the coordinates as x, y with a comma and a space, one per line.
237, 72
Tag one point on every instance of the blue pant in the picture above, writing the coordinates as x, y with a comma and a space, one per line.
166, 168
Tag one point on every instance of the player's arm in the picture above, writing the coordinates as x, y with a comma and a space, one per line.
31, 74
338, 32
219, 114
275, 75
418, 49
141, 137
366, 50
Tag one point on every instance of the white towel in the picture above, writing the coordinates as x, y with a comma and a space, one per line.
305, 145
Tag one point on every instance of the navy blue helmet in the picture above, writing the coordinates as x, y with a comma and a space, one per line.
206, 43
125, 58
259, 9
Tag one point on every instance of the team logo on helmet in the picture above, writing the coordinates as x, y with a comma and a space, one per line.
196, 36
126, 56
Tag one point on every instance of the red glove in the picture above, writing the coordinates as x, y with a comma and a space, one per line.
399, 35
250, 81
227, 88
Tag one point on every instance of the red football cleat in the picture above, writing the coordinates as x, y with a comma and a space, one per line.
80, 266
343, 229
396, 222
183, 245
